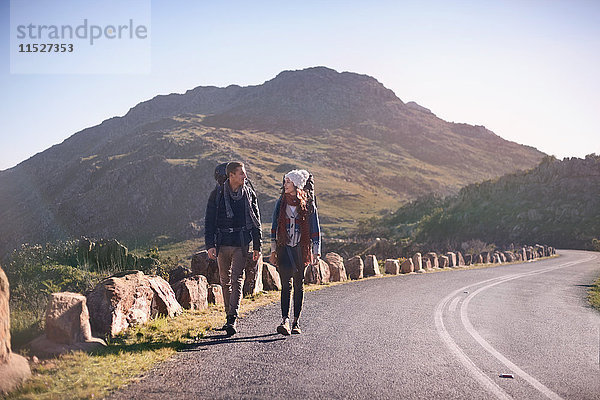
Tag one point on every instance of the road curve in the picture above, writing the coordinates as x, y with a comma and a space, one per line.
522, 331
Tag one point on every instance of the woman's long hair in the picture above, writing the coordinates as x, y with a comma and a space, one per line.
306, 195
304, 200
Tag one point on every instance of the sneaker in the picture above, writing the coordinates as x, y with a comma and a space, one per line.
296, 329
284, 327
231, 326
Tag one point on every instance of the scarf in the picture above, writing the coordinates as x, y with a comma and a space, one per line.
251, 219
282, 234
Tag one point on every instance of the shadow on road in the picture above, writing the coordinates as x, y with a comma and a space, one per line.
224, 339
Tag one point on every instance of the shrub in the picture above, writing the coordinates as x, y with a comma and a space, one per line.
476, 246
30, 286
36, 271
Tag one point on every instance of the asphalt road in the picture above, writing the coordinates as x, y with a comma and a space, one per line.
445, 335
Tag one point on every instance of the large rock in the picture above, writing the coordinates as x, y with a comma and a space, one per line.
67, 327
417, 262
13, 373
325, 271
451, 259
253, 280
270, 277
5, 348
460, 261
192, 293
355, 268
434, 259
178, 273
392, 266
14, 369
371, 266
407, 266
444, 261
67, 318
469, 259
539, 250
317, 273
122, 300
164, 301
215, 294
202, 265
426, 263
336, 267
523, 254
486, 257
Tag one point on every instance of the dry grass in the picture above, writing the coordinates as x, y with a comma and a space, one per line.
594, 295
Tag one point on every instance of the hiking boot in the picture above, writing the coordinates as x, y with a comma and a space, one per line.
296, 329
284, 327
231, 326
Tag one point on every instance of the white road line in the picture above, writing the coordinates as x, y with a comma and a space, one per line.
490, 349
482, 378
477, 373
452, 307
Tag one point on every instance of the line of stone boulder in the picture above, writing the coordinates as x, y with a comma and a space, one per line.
129, 298
358, 268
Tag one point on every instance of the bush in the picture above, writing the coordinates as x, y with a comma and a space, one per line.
30, 287
36, 271
476, 246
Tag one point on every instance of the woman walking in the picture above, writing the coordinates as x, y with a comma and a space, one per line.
295, 241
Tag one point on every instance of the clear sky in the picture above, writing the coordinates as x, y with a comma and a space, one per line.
527, 70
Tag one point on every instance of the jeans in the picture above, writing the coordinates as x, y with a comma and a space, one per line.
231, 262
291, 269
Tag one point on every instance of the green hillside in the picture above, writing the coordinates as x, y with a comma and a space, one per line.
557, 203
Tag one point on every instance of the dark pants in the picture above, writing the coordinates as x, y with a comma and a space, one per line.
291, 268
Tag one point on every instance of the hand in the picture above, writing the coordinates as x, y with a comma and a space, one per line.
273, 258
212, 253
255, 255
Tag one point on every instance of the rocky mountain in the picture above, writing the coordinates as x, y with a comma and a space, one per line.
147, 175
558, 203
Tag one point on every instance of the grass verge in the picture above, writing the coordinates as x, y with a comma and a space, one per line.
129, 355
594, 295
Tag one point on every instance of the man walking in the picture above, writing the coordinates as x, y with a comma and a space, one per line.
232, 221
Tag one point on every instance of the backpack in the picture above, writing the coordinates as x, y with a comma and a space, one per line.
221, 173
220, 178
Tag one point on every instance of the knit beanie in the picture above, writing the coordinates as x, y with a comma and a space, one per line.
298, 177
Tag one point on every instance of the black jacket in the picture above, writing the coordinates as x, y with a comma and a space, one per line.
216, 218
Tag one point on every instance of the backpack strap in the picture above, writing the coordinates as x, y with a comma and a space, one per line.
217, 201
